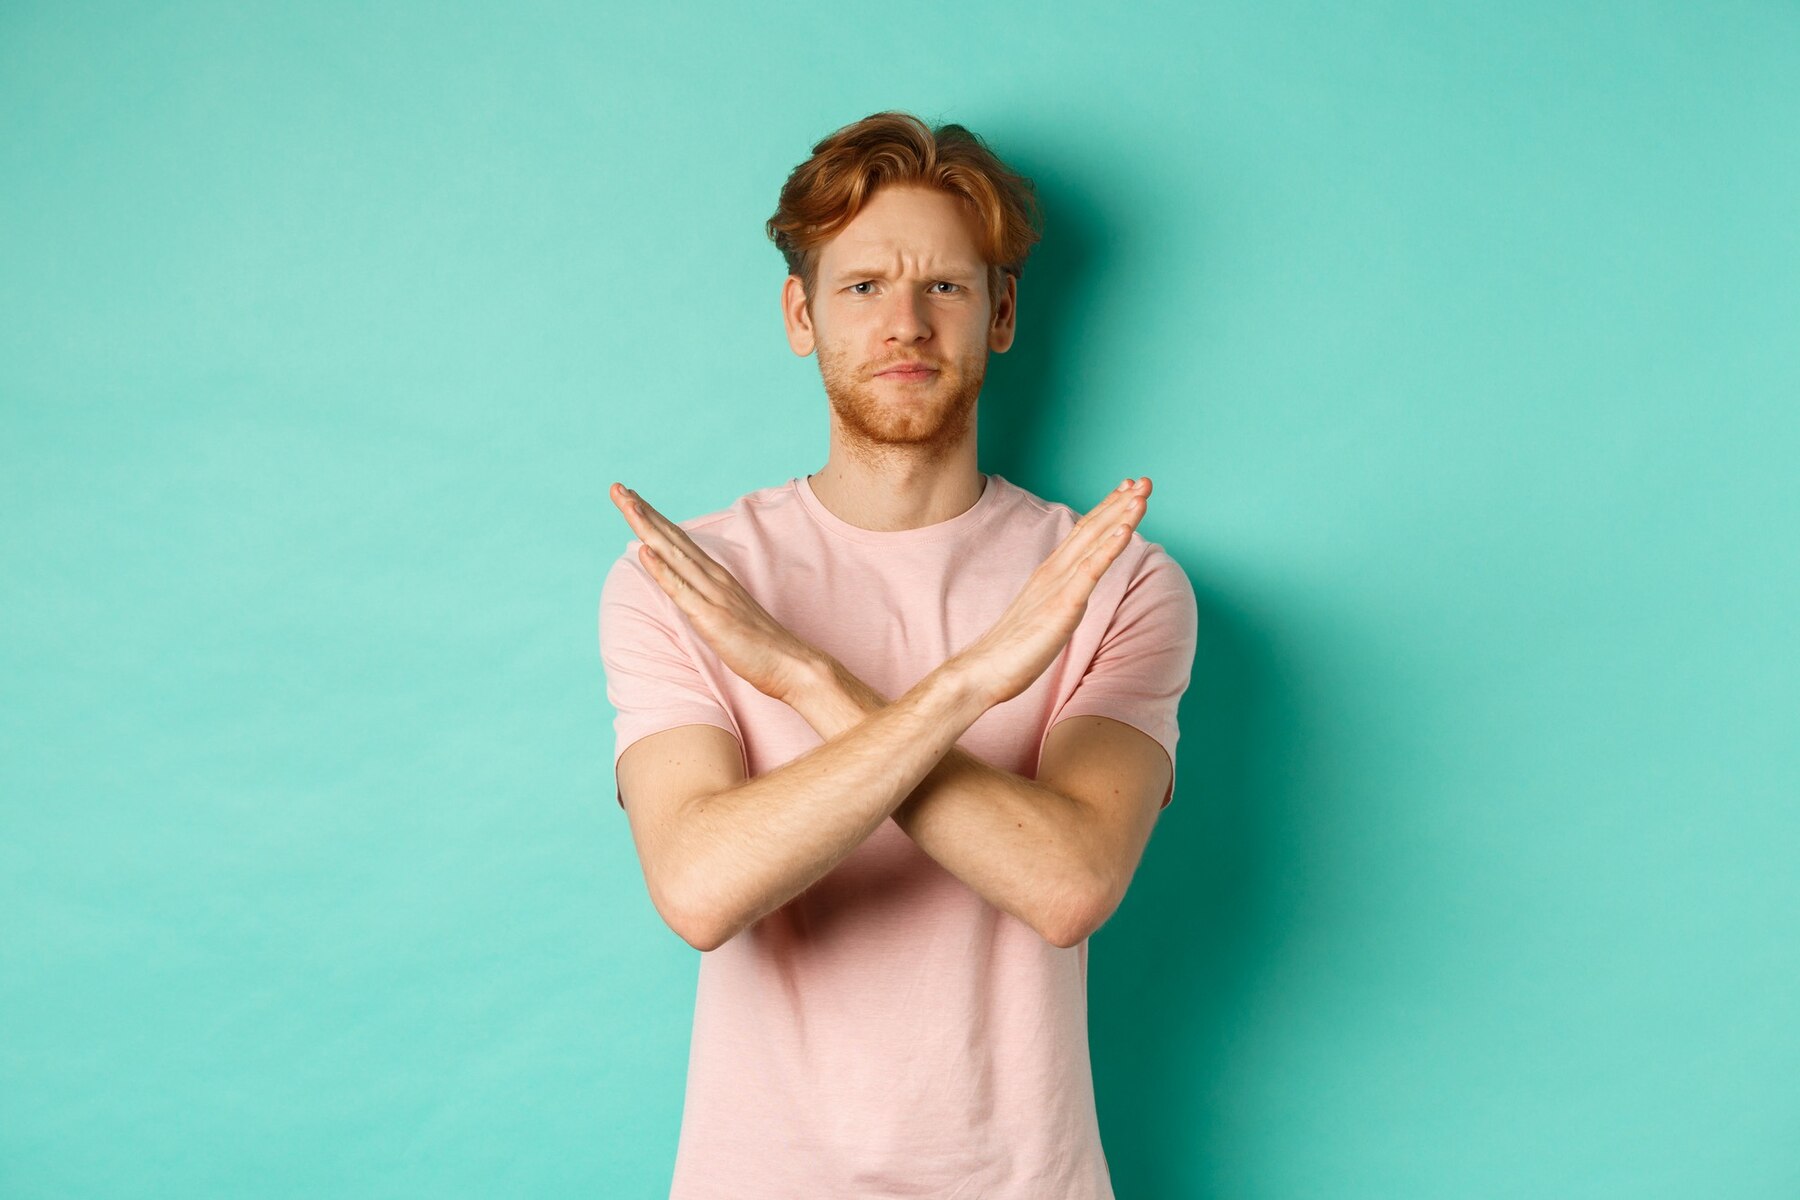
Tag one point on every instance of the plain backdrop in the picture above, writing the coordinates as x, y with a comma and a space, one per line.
1459, 340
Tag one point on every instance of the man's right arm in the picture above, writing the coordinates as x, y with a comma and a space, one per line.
732, 856
723, 858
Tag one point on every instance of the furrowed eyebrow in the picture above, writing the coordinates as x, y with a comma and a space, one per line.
879, 273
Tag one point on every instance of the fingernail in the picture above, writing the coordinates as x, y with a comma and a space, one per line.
1123, 486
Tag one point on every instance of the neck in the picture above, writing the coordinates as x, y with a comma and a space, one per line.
890, 496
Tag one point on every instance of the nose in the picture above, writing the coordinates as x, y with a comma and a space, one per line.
905, 315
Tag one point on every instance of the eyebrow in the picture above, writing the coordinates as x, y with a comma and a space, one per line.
879, 273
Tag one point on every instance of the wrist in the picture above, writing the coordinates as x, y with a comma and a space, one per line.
827, 696
961, 680
810, 676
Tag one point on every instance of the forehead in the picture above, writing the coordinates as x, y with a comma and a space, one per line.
907, 228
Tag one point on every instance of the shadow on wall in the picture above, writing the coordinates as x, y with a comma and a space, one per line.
1176, 972
1173, 973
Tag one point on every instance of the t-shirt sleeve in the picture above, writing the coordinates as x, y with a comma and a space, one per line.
1145, 658
652, 681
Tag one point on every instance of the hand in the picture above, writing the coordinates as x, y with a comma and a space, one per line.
1006, 659
746, 638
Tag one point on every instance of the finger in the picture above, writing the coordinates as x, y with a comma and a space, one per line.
1126, 504
1105, 533
670, 581
670, 542
676, 537
675, 575
1113, 523
1116, 501
1095, 562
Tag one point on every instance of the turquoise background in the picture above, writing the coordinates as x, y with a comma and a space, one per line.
1460, 343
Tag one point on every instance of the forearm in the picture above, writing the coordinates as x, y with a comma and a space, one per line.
751, 848
1023, 847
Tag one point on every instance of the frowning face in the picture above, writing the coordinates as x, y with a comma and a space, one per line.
902, 321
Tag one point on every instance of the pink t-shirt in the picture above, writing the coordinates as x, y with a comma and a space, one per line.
888, 1032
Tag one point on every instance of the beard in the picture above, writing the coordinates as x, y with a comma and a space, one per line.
881, 419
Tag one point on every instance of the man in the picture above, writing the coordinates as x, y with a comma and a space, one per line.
891, 738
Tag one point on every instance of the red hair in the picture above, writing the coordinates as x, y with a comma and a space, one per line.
847, 168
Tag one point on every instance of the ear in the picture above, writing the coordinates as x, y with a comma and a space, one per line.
795, 316
1004, 321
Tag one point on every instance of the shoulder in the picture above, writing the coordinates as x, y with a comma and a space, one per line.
720, 531
1142, 560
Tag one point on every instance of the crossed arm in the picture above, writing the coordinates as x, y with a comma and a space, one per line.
1058, 856
1056, 853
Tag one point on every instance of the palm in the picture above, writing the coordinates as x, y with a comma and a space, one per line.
1042, 617
746, 638
751, 643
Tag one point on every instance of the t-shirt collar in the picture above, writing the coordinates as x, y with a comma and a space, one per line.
955, 526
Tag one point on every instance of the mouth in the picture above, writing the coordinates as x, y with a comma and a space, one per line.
908, 374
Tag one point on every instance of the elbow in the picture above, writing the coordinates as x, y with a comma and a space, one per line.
698, 922
692, 913
1068, 935
688, 921
702, 938
1078, 923
700, 933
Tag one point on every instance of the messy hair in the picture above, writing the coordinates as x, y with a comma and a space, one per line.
824, 193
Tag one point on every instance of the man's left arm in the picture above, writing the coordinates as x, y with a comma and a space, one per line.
1058, 852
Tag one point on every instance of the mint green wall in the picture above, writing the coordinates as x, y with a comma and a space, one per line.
1461, 347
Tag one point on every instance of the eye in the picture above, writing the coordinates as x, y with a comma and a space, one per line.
870, 282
